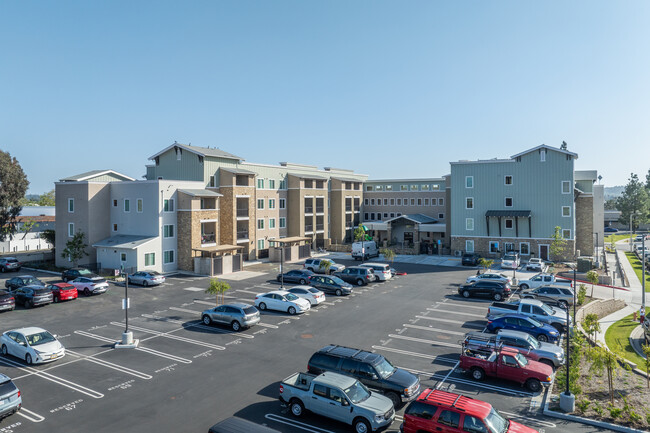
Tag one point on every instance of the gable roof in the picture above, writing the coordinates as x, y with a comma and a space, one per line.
201, 151
544, 146
94, 173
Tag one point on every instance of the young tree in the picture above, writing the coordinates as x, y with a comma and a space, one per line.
603, 359
486, 263
591, 325
28, 226
388, 253
325, 265
217, 288
592, 277
75, 248
359, 234
13, 186
646, 352
558, 244
633, 201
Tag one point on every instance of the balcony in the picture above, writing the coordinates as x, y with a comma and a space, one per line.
242, 236
208, 239
320, 227
309, 209
309, 228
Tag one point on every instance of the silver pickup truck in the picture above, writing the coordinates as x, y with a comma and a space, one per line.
338, 397
532, 308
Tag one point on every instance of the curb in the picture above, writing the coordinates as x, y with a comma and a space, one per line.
614, 427
42, 270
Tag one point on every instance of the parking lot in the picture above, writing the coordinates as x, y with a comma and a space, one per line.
185, 376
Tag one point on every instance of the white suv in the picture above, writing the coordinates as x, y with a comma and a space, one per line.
382, 271
314, 266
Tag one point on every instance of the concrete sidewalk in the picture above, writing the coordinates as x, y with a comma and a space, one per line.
421, 259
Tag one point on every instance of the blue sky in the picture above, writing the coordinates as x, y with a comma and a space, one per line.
389, 88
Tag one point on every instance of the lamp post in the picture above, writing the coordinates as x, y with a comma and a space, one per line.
597, 265
568, 400
282, 266
643, 279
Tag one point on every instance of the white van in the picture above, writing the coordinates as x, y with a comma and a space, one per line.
382, 270
365, 249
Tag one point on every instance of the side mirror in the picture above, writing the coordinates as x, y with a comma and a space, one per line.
345, 402
374, 376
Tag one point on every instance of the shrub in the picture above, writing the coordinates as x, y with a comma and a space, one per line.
582, 294
599, 409
583, 405
634, 417
615, 412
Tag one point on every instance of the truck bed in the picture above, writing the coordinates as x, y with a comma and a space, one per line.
299, 380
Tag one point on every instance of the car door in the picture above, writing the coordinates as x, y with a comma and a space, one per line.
20, 295
217, 314
367, 375
472, 424
419, 417
508, 368
319, 402
448, 421
526, 326
21, 347
481, 288
338, 406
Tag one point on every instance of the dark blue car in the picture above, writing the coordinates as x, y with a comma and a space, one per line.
519, 322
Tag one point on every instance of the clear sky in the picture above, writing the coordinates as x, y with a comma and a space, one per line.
389, 88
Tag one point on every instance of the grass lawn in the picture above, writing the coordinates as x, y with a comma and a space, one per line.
636, 264
616, 238
618, 340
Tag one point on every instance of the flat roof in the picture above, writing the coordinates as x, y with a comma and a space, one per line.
200, 193
290, 239
130, 242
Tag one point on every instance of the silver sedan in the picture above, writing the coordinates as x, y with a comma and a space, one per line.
237, 316
146, 278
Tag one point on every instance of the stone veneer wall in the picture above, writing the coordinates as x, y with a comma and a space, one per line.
584, 235
189, 234
482, 246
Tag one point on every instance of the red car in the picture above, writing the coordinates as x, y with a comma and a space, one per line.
441, 411
62, 291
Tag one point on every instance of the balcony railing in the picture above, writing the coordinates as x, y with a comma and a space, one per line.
309, 209
309, 228
242, 212
208, 238
242, 234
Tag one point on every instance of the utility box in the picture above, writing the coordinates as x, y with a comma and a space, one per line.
585, 265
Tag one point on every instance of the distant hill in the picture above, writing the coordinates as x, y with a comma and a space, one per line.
613, 191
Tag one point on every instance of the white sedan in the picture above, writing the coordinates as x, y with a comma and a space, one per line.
34, 345
490, 276
281, 300
313, 295
90, 286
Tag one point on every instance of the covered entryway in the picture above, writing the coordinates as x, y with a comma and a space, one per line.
217, 260
291, 249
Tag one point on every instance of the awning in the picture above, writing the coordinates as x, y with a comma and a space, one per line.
508, 213
200, 193
290, 240
130, 242
219, 249
236, 170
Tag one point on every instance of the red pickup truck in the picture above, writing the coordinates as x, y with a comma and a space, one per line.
506, 364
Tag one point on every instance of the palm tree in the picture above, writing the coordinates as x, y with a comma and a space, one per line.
217, 288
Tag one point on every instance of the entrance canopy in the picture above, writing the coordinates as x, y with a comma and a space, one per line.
218, 250
283, 242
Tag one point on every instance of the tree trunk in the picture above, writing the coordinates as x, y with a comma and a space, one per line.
611, 385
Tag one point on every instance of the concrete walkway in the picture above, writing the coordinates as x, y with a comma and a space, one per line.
404, 258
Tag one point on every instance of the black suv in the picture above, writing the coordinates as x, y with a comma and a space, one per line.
356, 275
470, 259
371, 369
23, 280
496, 290
73, 273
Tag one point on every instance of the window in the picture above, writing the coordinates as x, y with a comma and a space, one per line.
421, 410
377, 187
372, 202
127, 205
71, 205
508, 180
320, 390
398, 214
211, 182
469, 203
168, 231
366, 201
508, 223
566, 187
566, 211
123, 257
271, 183
392, 214
524, 249
469, 223
283, 203
368, 187
473, 425
150, 259
508, 201
508, 246
441, 202
283, 222
372, 216
392, 202
494, 247
385, 202
542, 155
424, 187
469, 246
260, 224
566, 234
168, 256
435, 187
399, 202
260, 203
441, 216
412, 202
271, 203
449, 418
414, 187
70, 230
419, 202
114, 203
179, 152
260, 183
114, 227
139, 205
365, 216
271, 223
283, 184
426, 202
389, 187
168, 205
385, 215
469, 181
404, 187
260, 244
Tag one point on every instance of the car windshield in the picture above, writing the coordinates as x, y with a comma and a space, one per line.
84, 272
547, 309
290, 297
338, 281
154, 273
533, 342
510, 257
496, 423
40, 338
32, 280
385, 368
522, 359
357, 392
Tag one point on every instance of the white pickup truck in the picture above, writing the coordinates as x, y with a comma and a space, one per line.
544, 280
339, 397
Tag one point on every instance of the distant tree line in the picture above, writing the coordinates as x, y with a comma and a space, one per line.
635, 200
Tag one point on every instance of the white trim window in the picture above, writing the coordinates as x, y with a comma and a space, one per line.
168, 231
508, 202
399, 202
271, 223
469, 182
507, 179
469, 246
441, 216
403, 187
469, 202
70, 230
283, 222
469, 224
524, 249
168, 205
127, 205
271, 203
365, 216
566, 187
412, 202
283, 184
70, 205
271, 183
542, 155
566, 233
366, 201
426, 202
150, 259
509, 222
139, 205
211, 182
114, 227
168, 257
494, 246
283, 203
260, 203
566, 211
260, 244
260, 224
441, 202
260, 183
372, 202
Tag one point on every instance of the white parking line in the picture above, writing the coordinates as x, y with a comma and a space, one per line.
451, 304
58, 380
194, 289
31, 416
416, 354
198, 301
428, 328
250, 292
531, 420
297, 424
185, 310
173, 337
455, 312
458, 322
104, 363
268, 325
195, 324
422, 340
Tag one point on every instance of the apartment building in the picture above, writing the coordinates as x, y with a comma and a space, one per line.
410, 213
514, 204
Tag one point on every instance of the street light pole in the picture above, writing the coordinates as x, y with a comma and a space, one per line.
568, 400
281, 266
643, 279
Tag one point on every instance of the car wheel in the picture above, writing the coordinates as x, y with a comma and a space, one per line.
292, 310
2, 270
338, 292
477, 373
86, 291
28, 359
145, 283
28, 304
303, 281
207, 320
262, 306
533, 385
235, 326
466, 293
4, 350
56, 300
394, 398
359, 282
523, 287
498, 296
542, 338
361, 426
278, 279
297, 408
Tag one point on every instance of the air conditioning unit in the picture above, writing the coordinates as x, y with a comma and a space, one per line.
458, 253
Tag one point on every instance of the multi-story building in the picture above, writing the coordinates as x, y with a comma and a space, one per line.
514, 204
